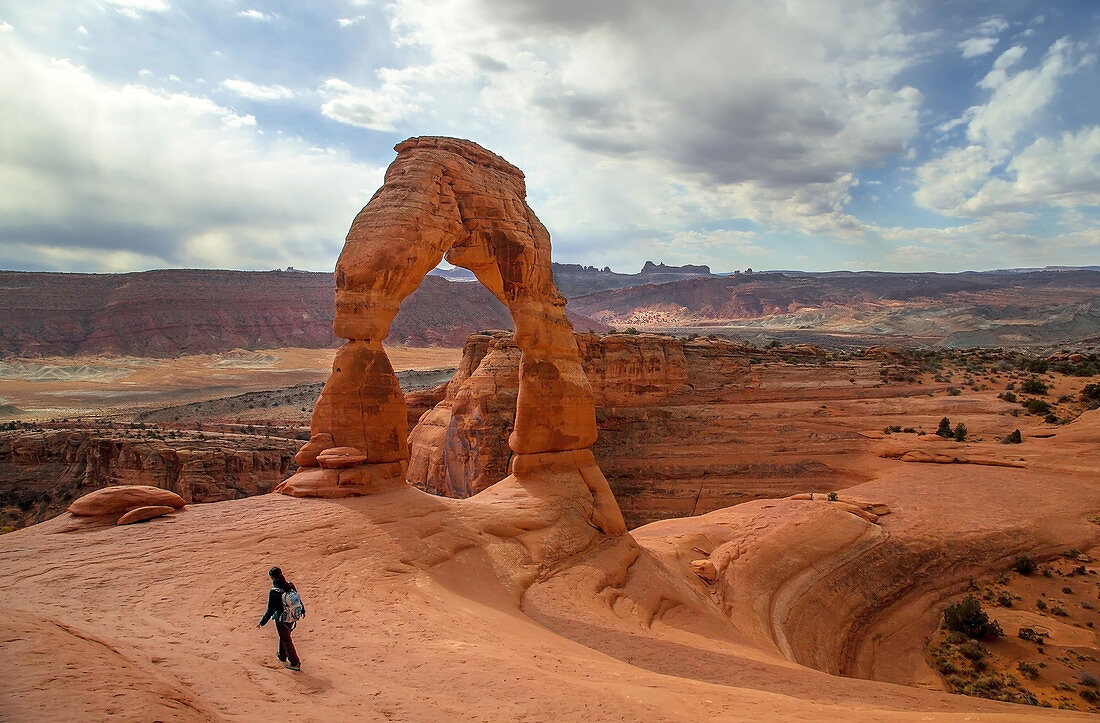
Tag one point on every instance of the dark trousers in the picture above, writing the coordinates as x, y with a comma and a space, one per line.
286, 645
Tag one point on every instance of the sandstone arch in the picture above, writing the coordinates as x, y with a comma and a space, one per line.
443, 198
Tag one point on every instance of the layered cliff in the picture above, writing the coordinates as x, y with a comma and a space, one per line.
189, 311
41, 471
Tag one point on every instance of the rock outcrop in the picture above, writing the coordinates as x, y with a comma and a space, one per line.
457, 447
447, 198
142, 514
42, 470
111, 501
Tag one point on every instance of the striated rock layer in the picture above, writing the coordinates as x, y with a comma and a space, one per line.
448, 198
43, 470
456, 444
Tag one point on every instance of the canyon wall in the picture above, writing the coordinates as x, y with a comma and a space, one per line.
41, 471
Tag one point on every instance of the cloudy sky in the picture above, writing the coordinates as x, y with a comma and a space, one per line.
808, 134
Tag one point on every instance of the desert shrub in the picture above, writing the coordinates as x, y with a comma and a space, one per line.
1024, 564
1037, 406
1067, 590
944, 430
953, 391
1059, 611
1088, 679
909, 430
1014, 438
960, 432
1034, 385
1007, 396
1090, 695
1031, 635
1090, 395
968, 618
630, 330
946, 667
833, 497
1028, 669
1004, 600
1038, 366
892, 428
1051, 419
972, 650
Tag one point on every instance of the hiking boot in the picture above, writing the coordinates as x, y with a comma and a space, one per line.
292, 666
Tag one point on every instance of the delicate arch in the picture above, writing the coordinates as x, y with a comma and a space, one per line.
442, 198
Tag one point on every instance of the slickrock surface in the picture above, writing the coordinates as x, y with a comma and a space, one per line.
122, 499
427, 608
449, 198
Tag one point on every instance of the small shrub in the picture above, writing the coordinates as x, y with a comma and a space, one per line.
1024, 565
1030, 635
1059, 611
972, 650
909, 430
968, 618
1089, 680
1034, 386
1028, 669
960, 432
1037, 406
946, 667
953, 391
892, 428
944, 430
833, 497
1090, 395
1004, 600
1007, 396
630, 330
1067, 590
1051, 419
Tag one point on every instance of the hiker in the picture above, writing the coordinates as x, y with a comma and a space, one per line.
284, 605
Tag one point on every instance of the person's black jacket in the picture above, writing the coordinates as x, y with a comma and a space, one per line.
275, 603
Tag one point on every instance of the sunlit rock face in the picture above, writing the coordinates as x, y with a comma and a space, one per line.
443, 198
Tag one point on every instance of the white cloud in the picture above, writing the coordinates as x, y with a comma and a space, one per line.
254, 14
993, 25
5, 27
134, 8
653, 120
993, 172
157, 179
372, 109
253, 91
1063, 171
976, 47
347, 22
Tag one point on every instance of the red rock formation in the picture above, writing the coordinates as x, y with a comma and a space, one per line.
446, 198
59, 465
122, 499
141, 514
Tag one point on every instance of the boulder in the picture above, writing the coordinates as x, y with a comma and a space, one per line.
141, 514
121, 499
340, 458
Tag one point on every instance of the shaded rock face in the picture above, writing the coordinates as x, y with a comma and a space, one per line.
58, 465
456, 448
448, 198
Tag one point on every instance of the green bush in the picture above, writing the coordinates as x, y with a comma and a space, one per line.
968, 618
1024, 565
1037, 406
953, 391
1090, 395
944, 430
960, 432
1034, 386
